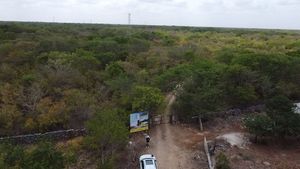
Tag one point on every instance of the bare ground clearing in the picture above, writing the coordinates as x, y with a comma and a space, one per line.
181, 146
271, 155
175, 146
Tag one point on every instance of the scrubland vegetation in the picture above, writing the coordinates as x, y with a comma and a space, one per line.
59, 76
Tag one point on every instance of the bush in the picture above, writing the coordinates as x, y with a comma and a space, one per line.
168, 80
239, 86
71, 150
107, 134
222, 162
44, 156
259, 125
281, 110
108, 164
280, 120
11, 156
202, 93
146, 98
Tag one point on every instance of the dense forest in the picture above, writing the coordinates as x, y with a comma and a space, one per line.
58, 76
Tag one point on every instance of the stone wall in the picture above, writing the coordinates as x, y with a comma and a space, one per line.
237, 111
51, 136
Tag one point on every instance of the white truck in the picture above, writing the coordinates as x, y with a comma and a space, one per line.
148, 161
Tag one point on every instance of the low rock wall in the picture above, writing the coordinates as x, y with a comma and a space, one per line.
51, 136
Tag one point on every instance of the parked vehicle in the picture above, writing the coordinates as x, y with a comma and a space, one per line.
148, 161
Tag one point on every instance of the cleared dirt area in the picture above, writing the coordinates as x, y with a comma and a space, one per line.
273, 154
177, 147
181, 146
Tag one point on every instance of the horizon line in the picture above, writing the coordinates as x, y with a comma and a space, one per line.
153, 25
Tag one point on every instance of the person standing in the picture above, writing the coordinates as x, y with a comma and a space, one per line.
147, 137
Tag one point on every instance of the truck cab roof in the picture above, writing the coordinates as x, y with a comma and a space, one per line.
148, 161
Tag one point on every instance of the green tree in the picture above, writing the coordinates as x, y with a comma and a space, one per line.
114, 69
85, 61
80, 106
275, 66
260, 125
286, 122
44, 156
146, 98
239, 86
222, 162
106, 58
107, 134
168, 80
138, 45
10, 115
202, 93
51, 115
11, 156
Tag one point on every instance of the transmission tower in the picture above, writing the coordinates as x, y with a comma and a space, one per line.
129, 18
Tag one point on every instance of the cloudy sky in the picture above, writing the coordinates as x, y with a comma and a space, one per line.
221, 13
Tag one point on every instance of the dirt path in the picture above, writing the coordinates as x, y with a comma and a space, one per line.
175, 146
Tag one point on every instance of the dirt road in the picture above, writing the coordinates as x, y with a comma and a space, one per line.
181, 147
175, 146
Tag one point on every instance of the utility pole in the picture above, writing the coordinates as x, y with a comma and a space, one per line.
129, 18
200, 122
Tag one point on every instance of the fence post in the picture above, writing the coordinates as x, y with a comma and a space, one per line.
210, 166
200, 123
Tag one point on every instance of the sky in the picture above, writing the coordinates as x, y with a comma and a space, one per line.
278, 14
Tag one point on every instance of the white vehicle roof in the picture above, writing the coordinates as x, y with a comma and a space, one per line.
147, 156
149, 161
